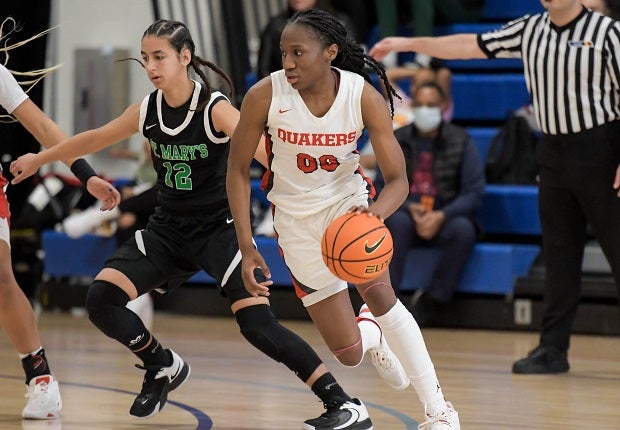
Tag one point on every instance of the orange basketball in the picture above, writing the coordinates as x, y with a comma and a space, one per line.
357, 247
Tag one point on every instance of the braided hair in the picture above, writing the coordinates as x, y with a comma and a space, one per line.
351, 55
179, 37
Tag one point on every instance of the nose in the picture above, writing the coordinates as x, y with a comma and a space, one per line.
288, 62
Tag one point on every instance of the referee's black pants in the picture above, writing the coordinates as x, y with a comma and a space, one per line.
576, 189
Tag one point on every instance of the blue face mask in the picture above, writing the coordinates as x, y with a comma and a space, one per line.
426, 118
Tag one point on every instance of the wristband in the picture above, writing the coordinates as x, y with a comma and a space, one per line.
82, 170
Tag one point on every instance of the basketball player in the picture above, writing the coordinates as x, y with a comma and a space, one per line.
16, 316
313, 111
188, 125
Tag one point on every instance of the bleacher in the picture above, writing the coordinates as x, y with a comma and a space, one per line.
484, 93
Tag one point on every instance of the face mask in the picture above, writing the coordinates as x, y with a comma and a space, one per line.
426, 118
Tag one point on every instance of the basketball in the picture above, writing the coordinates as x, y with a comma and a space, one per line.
357, 247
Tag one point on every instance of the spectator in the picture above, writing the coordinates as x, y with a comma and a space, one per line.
269, 54
446, 183
403, 107
435, 72
579, 154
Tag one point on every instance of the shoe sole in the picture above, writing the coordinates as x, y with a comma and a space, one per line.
540, 371
358, 426
49, 416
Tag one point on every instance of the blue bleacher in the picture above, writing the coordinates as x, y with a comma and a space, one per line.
488, 96
505, 10
492, 268
510, 209
482, 137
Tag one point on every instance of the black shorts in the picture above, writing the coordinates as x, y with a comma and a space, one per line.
173, 248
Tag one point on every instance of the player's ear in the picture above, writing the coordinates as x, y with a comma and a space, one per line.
186, 57
331, 51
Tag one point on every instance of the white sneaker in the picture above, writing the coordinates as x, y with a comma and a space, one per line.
80, 223
446, 420
44, 400
384, 360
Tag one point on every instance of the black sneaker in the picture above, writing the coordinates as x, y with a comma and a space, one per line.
542, 359
350, 415
158, 381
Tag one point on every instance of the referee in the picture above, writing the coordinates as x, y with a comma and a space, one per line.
572, 72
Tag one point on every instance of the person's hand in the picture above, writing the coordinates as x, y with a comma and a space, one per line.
428, 225
416, 210
387, 45
24, 167
617, 181
365, 210
104, 192
249, 262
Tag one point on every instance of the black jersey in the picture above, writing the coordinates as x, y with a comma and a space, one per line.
188, 154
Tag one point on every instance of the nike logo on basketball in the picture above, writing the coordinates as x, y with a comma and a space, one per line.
229, 220
150, 126
373, 248
284, 110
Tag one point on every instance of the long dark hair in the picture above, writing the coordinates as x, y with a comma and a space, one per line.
180, 38
351, 55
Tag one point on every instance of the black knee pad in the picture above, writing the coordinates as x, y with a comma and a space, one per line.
104, 301
260, 327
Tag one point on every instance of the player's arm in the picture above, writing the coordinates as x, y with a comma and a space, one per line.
48, 134
243, 147
81, 144
387, 151
46, 131
454, 47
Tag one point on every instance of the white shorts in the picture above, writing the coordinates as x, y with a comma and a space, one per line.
300, 242
5, 233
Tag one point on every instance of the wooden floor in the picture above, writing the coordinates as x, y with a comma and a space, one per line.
235, 387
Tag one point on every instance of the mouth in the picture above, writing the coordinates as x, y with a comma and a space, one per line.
292, 79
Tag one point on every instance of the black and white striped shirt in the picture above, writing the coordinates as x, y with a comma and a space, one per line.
571, 72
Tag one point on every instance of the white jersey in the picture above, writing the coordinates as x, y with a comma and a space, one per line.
11, 94
314, 162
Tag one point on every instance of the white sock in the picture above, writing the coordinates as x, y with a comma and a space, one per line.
36, 351
405, 339
371, 334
